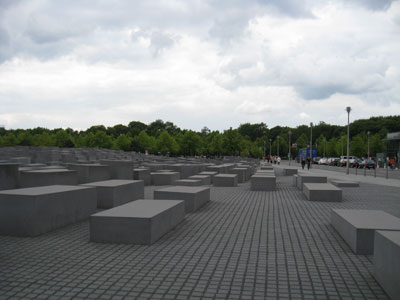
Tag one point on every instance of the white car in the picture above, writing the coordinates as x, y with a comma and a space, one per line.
323, 161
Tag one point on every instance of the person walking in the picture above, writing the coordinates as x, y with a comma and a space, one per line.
278, 160
303, 162
308, 163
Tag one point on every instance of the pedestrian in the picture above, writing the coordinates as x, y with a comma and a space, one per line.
303, 162
278, 160
308, 163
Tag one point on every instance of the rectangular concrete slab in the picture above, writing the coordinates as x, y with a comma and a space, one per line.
139, 222
387, 261
194, 197
164, 178
142, 174
345, 183
307, 178
115, 192
324, 192
91, 172
34, 211
119, 169
209, 173
225, 180
262, 183
357, 227
34, 178
205, 179
188, 182
8, 176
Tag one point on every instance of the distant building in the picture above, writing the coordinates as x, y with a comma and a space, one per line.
393, 145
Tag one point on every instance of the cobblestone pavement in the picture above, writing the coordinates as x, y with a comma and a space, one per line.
242, 245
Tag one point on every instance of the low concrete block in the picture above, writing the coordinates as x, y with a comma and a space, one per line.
387, 261
226, 180
115, 192
240, 172
194, 197
307, 178
357, 227
119, 169
205, 179
142, 174
209, 173
34, 211
46, 177
262, 183
91, 172
8, 176
344, 183
324, 192
164, 178
188, 182
294, 180
138, 222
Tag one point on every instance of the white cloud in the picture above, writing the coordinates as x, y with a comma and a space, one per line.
279, 62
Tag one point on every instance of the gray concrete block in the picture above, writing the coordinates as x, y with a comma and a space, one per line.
119, 169
139, 222
324, 192
142, 174
241, 173
164, 178
9, 175
262, 183
188, 182
194, 197
357, 227
306, 178
205, 179
209, 173
91, 172
34, 211
115, 192
345, 183
294, 180
225, 180
46, 177
387, 261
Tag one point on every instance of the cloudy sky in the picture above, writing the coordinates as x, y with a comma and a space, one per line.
214, 63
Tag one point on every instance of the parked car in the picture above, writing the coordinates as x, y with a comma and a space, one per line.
315, 160
355, 163
343, 160
323, 161
367, 163
333, 161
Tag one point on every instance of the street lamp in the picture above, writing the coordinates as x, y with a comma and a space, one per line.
270, 146
341, 139
264, 150
290, 148
311, 124
277, 147
368, 133
348, 109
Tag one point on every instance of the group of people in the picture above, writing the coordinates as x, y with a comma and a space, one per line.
274, 159
306, 161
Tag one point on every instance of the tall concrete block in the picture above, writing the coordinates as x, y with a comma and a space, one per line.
9, 175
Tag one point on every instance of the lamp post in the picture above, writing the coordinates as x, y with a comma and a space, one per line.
348, 109
341, 139
311, 124
270, 146
277, 147
290, 148
368, 133
264, 150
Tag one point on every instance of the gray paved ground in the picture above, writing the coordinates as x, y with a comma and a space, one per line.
242, 245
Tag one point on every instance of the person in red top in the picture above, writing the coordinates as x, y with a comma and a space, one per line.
391, 163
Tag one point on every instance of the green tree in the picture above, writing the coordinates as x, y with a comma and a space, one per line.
63, 139
331, 149
123, 142
166, 144
143, 142
191, 143
98, 140
135, 127
302, 141
253, 131
357, 146
232, 142
214, 143
9, 140
25, 139
376, 145
43, 139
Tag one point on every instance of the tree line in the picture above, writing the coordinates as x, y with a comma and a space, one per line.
248, 140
